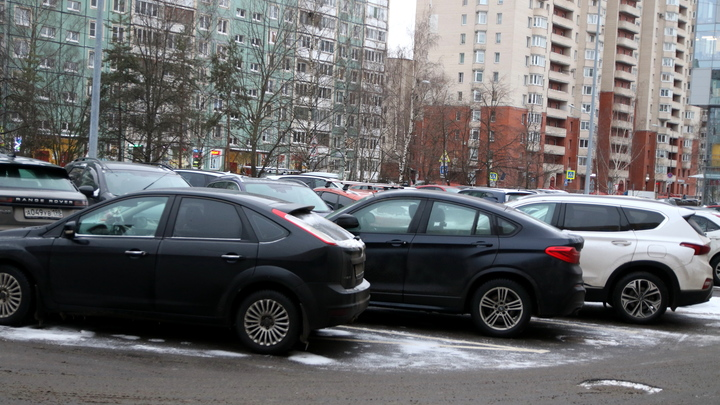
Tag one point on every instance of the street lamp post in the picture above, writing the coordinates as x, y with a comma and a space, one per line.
591, 136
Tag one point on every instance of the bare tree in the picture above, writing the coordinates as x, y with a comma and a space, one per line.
151, 79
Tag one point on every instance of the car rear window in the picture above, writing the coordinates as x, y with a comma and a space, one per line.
323, 225
641, 220
37, 177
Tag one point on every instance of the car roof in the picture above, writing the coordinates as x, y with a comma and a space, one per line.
256, 200
11, 158
604, 199
116, 165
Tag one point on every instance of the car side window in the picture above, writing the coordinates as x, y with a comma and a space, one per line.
203, 218
387, 216
227, 185
452, 219
641, 220
343, 201
541, 211
89, 178
265, 229
129, 217
330, 199
591, 217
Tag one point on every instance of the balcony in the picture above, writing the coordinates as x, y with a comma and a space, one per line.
560, 59
561, 40
623, 108
628, 9
627, 42
562, 77
626, 59
622, 124
628, 76
563, 22
555, 131
629, 26
554, 150
625, 92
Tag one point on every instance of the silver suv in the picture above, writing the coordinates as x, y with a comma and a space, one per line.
35, 192
640, 256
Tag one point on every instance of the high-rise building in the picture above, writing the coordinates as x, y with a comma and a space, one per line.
561, 69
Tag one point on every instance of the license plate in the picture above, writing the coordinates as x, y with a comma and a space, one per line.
49, 213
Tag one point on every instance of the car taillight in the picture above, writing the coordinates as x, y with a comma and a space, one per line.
699, 249
708, 283
80, 203
565, 253
300, 224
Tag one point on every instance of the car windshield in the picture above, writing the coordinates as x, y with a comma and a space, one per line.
33, 178
289, 192
120, 183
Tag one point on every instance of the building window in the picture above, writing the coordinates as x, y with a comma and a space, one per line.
479, 56
461, 77
585, 125
240, 13
92, 29
73, 36
478, 76
119, 6
47, 32
582, 143
582, 160
222, 26
462, 39
497, 57
462, 58
73, 5
499, 18
480, 37
22, 16
481, 17
498, 37
204, 22
463, 19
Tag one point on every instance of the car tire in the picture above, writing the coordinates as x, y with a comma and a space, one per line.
268, 322
640, 298
16, 297
501, 308
715, 263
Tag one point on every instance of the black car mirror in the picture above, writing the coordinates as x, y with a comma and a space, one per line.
347, 221
70, 228
88, 191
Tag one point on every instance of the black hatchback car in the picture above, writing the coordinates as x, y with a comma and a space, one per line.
439, 251
272, 270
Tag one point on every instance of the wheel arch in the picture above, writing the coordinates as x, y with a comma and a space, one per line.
502, 273
660, 270
280, 280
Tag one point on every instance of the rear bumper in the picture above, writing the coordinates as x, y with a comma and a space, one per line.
337, 305
685, 298
561, 305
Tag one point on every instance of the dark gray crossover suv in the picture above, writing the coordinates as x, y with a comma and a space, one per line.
272, 270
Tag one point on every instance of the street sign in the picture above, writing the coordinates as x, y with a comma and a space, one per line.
493, 176
443, 169
570, 175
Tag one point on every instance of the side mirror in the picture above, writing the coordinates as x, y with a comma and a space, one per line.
70, 228
88, 191
347, 221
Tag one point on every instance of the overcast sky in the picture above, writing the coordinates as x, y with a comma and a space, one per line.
401, 21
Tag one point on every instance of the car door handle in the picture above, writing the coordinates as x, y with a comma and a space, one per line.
482, 243
397, 242
135, 253
231, 257
621, 243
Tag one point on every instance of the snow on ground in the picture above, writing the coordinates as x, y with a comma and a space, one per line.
383, 349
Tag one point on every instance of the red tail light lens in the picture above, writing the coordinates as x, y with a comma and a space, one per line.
565, 253
300, 224
699, 249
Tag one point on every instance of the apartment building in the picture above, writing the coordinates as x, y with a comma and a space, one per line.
317, 66
616, 68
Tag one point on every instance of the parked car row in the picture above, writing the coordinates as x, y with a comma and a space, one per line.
266, 262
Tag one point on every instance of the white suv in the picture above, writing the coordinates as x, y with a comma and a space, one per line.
640, 256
